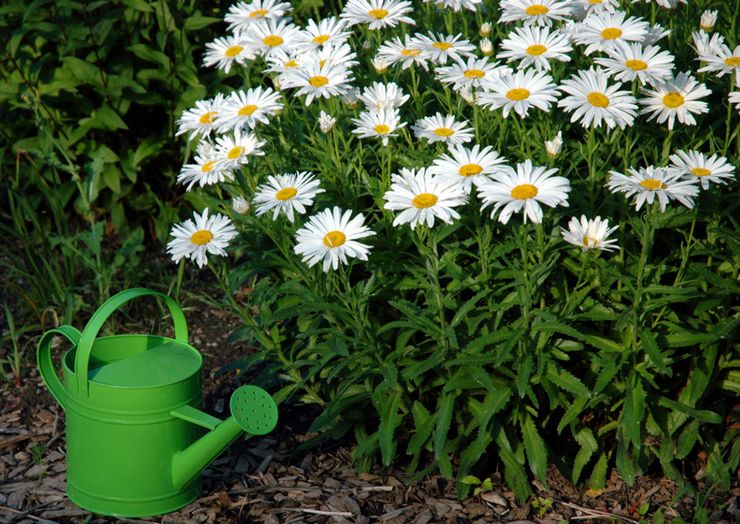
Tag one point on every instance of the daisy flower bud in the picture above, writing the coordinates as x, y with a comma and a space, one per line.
326, 122
380, 64
555, 145
589, 234
485, 29
366, 45
240, 205
486, 47
708, 19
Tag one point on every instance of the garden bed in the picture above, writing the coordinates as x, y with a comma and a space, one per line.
267, 480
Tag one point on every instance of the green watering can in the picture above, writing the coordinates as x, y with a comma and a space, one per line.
136, 440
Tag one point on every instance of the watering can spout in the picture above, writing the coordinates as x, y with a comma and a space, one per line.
253, 411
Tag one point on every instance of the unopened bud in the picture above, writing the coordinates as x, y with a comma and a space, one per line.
380, 64
485, 29
240, 205
486, 47
555, 145
326, 122
708, 19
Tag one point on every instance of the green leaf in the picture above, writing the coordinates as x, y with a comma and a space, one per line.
633, 411
652, 349
523, 374
388, 422
598, 474
197, 22
444, 418
566, 380
424, 424
152, 55
107, 118
586, 439
535, 447
83, 71
709, 417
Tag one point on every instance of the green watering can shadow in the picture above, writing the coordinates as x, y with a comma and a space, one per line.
135, 436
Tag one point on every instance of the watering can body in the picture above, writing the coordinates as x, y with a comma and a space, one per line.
136, 439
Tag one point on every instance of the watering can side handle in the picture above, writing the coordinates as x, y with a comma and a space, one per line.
46, 364
109, 307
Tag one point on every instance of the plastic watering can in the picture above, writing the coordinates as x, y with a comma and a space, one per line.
136, 440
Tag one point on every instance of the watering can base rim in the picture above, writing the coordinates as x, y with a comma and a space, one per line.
101, 505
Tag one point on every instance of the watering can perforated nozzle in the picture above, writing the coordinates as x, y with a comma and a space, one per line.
254, 409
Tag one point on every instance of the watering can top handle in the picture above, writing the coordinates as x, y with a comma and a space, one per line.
90, 333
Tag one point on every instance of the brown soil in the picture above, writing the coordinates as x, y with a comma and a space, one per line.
266, 480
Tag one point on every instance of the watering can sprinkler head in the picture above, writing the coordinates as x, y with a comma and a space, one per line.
253, 411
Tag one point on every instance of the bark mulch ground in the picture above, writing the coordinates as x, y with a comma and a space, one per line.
265, 480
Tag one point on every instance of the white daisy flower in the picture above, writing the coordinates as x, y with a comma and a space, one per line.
676, 98
331, 236
328, 31
315, 80
471, 74
226, 51
234, 150
203, 118
523, 190
537, 12
467, 166
593, 102
421, 197
351, 97
596, 6
381, 124
194, 240
724, 61
268, 36
734, 98
377, 13
288, 193
715, 169
383, 96
535, 46
667, 4
629, 61
708, 19
408, 53
439, 49
647, 182
554, 146
590, 233
205, 171
519, 92
704, 45
440, 128
601, 31
456, 5
336, 55
244, 109
326, 122
282, 62
655, 33
242, 16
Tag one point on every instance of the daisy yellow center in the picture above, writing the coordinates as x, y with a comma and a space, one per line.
673, 100
258, 13
537, 9
247, 110
471, 169
444, 131
598, 99
235, 152
610, 33
517, 94
706, 28
594, 2
233, 51
652, 184
700, 171
536, 49
378, 14
733, 61
291, 63
207, 118
202, 237
474, 73
636, 65
286, 193
444, 46
334, 239
320, 39
273, 40
382, 129
208, 166
590, 241
318, 81
410, 52
524, 191
424, 200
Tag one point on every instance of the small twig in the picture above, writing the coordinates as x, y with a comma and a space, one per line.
319, 512
594, 513
25, 514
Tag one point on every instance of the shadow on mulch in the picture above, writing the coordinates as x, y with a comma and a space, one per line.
265, 480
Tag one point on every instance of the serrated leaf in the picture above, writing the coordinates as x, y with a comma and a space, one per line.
444, 418
633, 411
597, 480
535, 448
567, 381
651, 348
388, 422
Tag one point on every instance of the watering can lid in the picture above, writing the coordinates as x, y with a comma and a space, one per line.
166, 364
